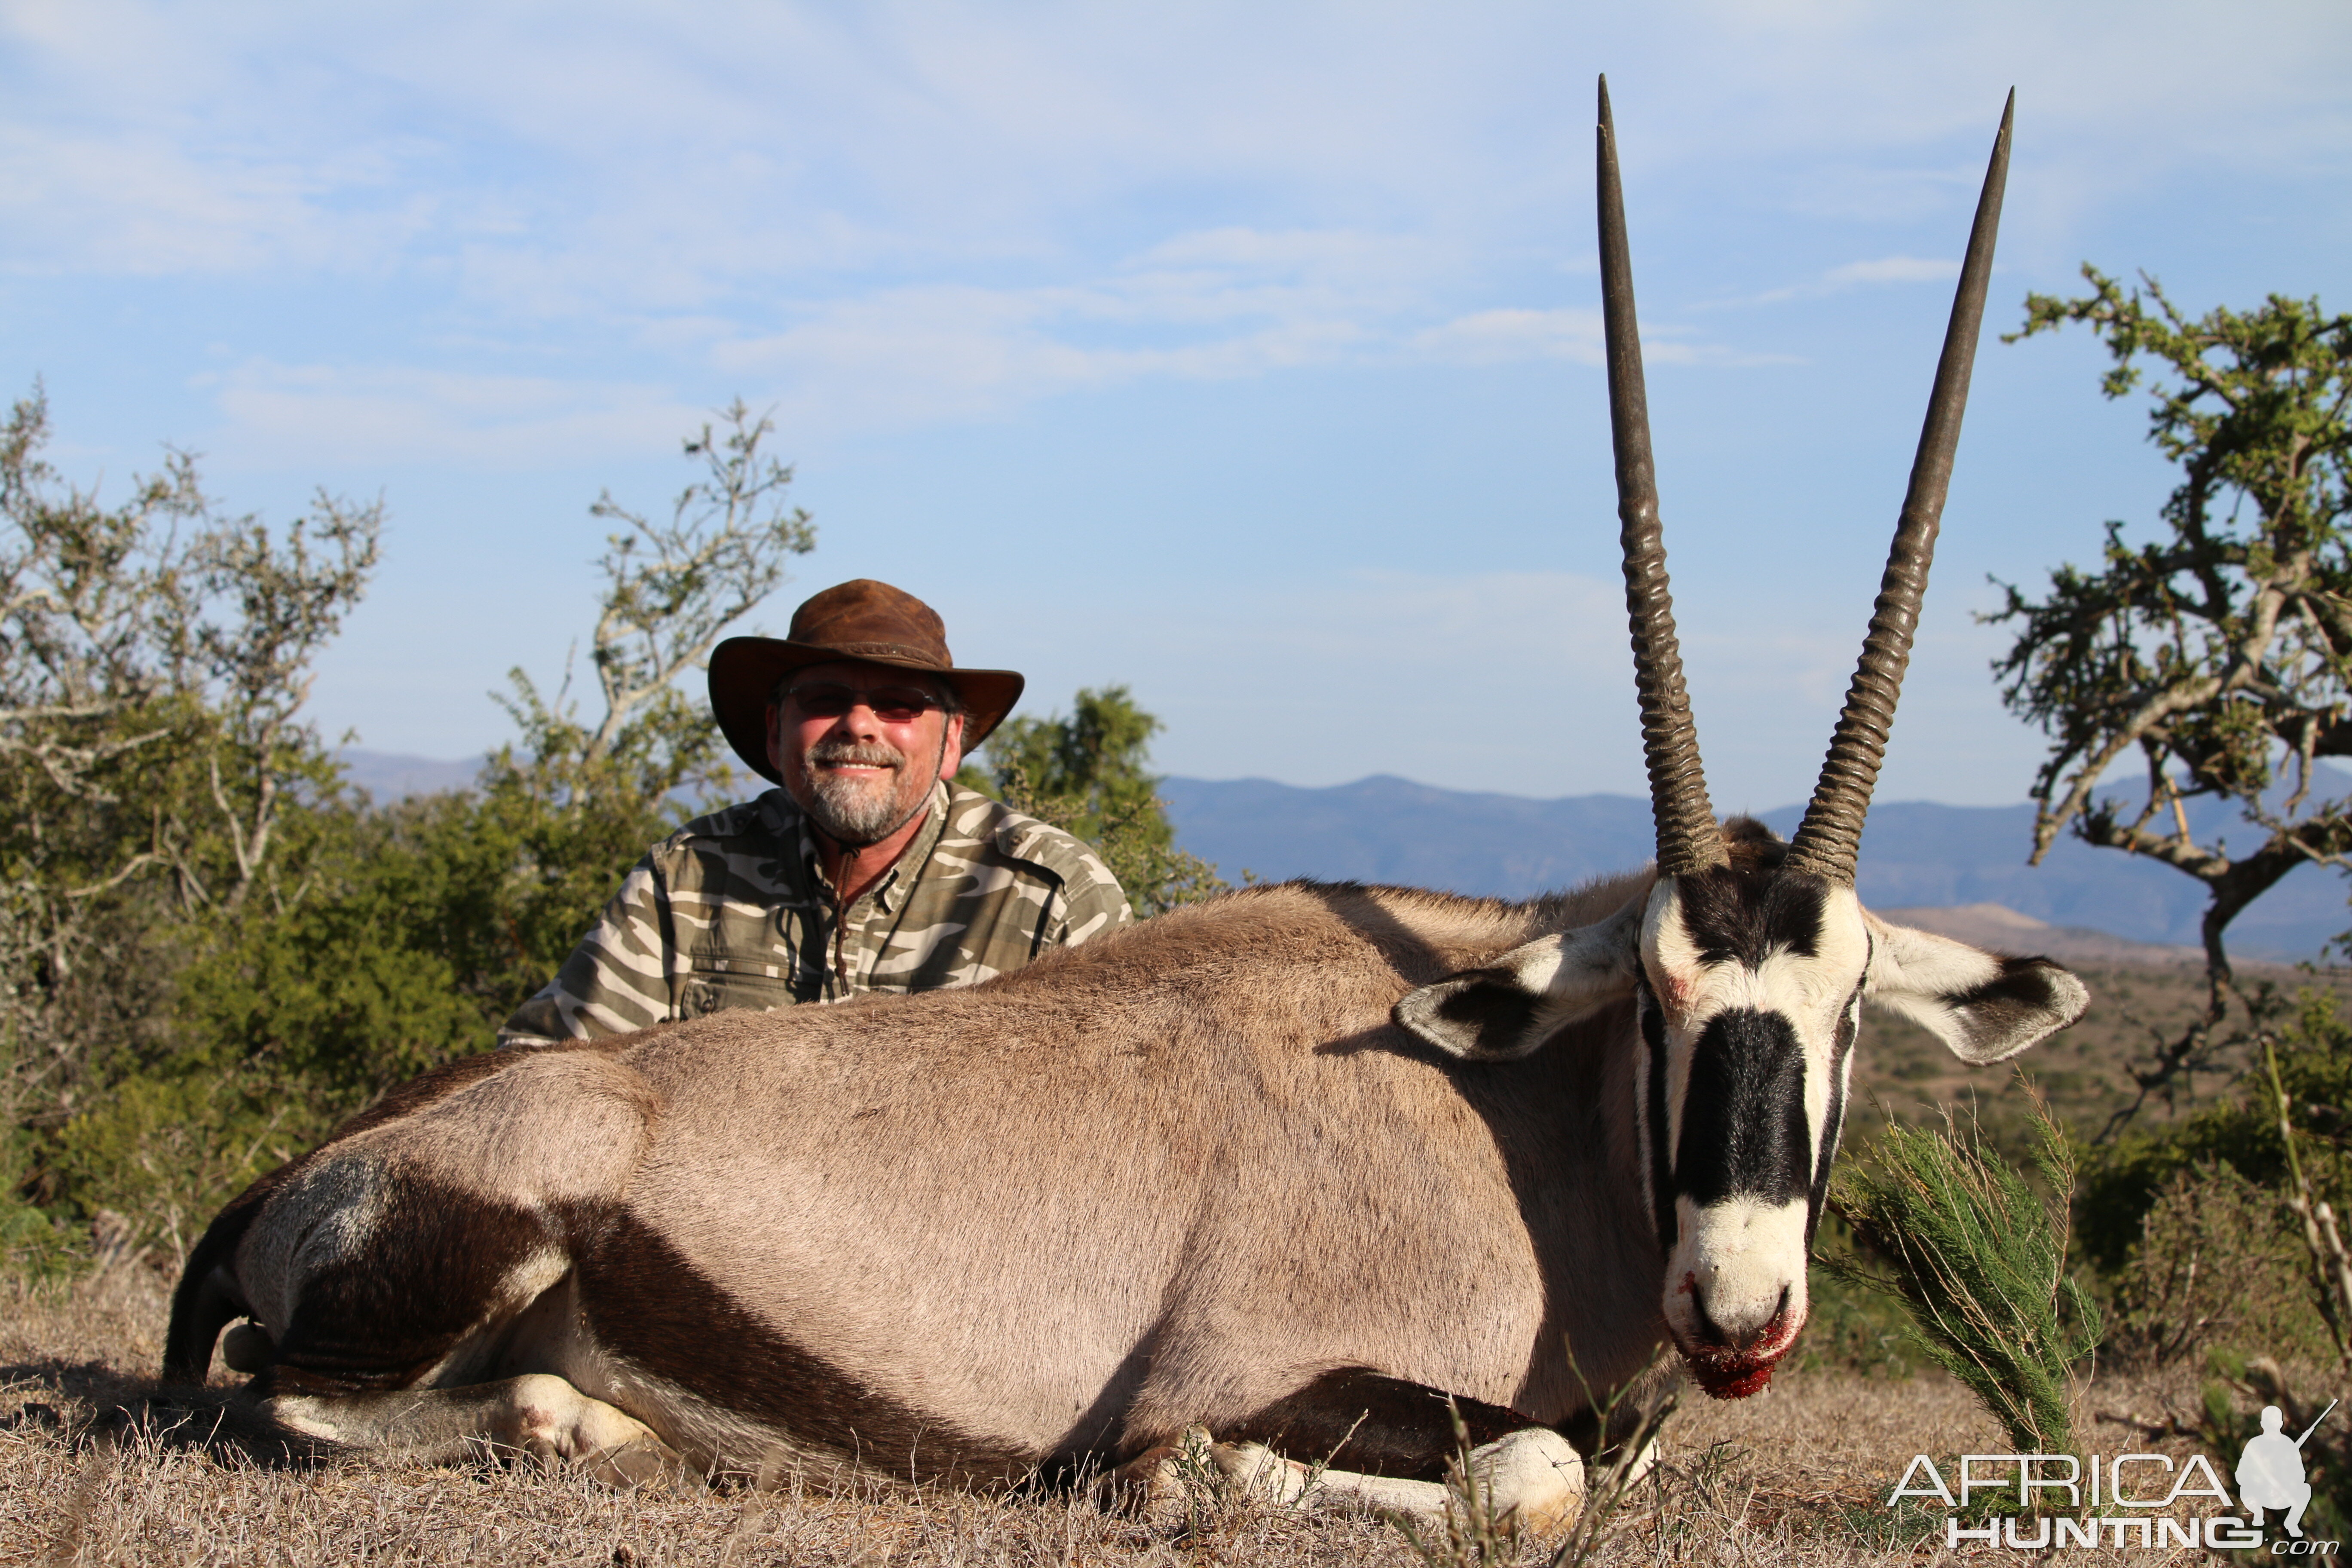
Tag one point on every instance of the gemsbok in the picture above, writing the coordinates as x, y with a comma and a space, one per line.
1306, 1165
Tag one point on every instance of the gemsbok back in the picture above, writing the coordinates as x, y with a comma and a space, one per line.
1304, 1166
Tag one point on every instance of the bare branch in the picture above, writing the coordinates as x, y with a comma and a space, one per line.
675, 586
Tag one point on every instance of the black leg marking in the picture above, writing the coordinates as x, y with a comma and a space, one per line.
1361, 1420
650, 1305
383, 1316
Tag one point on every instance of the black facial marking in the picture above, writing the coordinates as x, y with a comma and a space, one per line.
1849, 1027
1744, 1131
1731, 914
1662, 1173
1359, 1419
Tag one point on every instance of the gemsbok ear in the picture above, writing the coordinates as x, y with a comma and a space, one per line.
1504, 1012
1985, 1007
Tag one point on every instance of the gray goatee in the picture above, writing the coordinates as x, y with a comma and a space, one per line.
855, 812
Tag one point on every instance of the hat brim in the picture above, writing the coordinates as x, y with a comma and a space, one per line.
744, 671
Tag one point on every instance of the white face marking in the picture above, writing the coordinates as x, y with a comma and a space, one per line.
1731, 1261
1811, 992
1735, 1288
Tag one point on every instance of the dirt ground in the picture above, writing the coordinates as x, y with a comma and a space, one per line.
1798, 1475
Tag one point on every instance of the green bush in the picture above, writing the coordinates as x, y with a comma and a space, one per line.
2216, 1268
1979, 1260
1088, 774
1851, 1325
2121, 1182
165, 1152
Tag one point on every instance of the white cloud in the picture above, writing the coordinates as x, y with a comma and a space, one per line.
1205, 306
139, 204
1894, 269
1488, 337
911, 355
942, 208
631, 148
372, 415
1848, 275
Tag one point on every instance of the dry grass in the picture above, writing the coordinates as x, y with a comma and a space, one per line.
1794, 1476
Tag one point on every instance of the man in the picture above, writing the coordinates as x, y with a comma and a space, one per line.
2270, 1471
868, 870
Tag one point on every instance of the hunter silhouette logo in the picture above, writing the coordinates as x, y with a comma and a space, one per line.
2270, 1472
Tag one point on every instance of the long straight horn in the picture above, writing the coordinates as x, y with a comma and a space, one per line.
1687, 837
1830, 837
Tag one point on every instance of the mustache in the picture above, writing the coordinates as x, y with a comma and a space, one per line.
872, 754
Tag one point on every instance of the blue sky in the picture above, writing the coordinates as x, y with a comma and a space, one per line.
1247, 354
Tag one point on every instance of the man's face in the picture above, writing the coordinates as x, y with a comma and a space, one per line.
859, 746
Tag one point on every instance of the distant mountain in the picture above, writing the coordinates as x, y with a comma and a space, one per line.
2003, 929
1913, 854
388, 776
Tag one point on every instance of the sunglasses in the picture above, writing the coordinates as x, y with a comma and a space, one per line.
891, 704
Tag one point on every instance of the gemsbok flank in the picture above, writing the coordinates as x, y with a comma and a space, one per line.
1294, 1165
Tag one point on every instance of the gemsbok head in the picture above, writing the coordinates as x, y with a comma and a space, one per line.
1748, 960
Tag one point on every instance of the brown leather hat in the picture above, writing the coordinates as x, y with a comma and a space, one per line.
863, 620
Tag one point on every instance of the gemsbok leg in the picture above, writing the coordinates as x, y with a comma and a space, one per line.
1383, 1443
537, 1414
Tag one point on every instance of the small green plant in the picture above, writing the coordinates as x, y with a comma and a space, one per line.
1979, 1260
1852, 1327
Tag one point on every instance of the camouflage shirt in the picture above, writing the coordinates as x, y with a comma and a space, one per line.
734, 910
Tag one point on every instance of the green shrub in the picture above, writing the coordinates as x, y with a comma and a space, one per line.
2216, 1268
2121, 1182
165, 1152
1851, 1325
1979, 1260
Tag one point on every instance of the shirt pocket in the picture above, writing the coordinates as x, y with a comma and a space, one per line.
716, 983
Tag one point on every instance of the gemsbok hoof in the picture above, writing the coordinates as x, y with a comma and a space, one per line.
1533, 1480
645, 1462
1160, 1484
